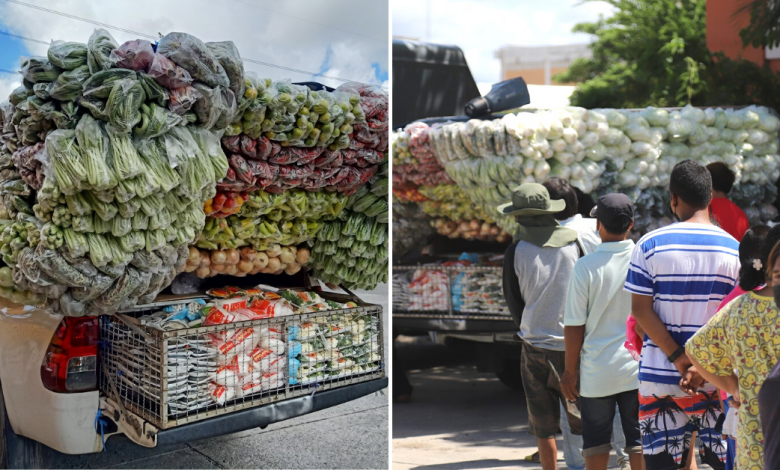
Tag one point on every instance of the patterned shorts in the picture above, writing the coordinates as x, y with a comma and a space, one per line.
667, 419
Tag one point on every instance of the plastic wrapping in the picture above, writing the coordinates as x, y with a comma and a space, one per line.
210, 106
122, 106
182, 99
99, 85
39, 69
167, 73
192, 54
99, 48
227, 55
133, 55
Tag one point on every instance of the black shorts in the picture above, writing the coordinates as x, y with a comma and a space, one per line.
598, 415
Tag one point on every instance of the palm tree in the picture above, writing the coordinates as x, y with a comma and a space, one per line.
711, 406
665, 407
647, 428
675, 443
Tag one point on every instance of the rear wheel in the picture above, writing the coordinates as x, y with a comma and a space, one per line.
510, 375
19, 451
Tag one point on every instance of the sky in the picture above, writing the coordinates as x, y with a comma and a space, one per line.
337, 38
481, 27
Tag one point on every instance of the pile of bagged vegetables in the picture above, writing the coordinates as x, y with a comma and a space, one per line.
297, 158
605, 150
352, 249
411, 229
124, 165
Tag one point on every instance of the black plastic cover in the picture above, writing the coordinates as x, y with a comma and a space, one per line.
429, 80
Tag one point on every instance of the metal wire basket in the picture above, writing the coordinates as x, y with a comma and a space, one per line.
175, 377
449, 291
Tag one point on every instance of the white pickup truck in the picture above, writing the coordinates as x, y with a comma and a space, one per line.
51, 397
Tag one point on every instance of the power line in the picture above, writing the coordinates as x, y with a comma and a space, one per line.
309, 21
8, 71
130, 31
24, 37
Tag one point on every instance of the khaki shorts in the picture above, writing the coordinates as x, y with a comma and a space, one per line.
541, 370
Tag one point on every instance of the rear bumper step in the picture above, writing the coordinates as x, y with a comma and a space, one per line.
262, 416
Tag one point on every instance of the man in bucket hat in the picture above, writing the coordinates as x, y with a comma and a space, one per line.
544, 260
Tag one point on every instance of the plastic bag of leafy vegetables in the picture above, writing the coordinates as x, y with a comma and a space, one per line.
154, 92
209, 144
39, 69
123, 105
42, 90
19, 94
155, 120
63, 157
99, 48
96, 107
125, 159
67, 87
93, 143
152, 152
67, 55
229, 112
191, 53
210, 106
100, 84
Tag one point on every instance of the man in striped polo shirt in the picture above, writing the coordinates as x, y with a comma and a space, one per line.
677, 277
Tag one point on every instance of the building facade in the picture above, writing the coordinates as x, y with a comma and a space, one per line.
538, 64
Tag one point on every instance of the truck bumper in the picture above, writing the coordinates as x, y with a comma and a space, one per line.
262, 416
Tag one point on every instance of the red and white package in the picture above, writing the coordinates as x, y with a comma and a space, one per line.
270, 308
266, 360
233, 341
228, 375
230, 305
221, 394
267, 381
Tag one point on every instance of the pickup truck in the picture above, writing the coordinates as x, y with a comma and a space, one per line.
52, 399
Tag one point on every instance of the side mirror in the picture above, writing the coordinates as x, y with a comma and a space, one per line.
508, 94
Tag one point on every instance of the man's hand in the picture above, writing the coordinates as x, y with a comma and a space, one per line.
682, 364
569, 385
691, 381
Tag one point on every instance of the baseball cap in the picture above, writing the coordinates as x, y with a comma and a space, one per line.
613, 207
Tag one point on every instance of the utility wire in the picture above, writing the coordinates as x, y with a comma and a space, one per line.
309, 21
8, 71
153, 38
24, 37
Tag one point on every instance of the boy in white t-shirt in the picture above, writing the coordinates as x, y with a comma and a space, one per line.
594, 331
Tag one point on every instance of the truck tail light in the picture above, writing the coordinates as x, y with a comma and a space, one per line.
70, 363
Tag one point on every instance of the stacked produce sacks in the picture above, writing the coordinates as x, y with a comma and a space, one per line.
418, 177
296, 156
108, 154
607, 150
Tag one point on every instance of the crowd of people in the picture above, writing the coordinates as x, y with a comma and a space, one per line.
653, 348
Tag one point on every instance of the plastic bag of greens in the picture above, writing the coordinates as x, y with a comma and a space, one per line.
121, 226
154, 92
93, 143
191, 53
227, 55
132, 242
104, 210
63, 156
182, 99
140, 220
100, 84
19, 94
42, 90
67, 55
129, 208
75, 242
125, 159
99, 49
96, 107
101, 226
155, 120
209, 145
151, 152
229, 112
210, 106
83, 223
123, 105
39, 69
125, 190
133, 55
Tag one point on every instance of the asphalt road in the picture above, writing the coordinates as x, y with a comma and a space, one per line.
352, 435
458, 418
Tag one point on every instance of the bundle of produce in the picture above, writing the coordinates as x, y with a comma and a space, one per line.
334, 346
479, 292
259, 233
352, 250
98, 148
603, 150
449, 201
429, 290
409, 234
414, 159
408, 193
473, 229
275, 259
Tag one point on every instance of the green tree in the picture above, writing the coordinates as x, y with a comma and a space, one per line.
654, 53
763, 30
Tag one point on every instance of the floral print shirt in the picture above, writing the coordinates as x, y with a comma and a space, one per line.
744, 335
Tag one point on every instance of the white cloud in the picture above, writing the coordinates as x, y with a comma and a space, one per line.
8, 83
481, 27
293, 34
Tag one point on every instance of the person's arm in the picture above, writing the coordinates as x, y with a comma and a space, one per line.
727, 383
575, 316
574, 336
653, 327
639, 330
